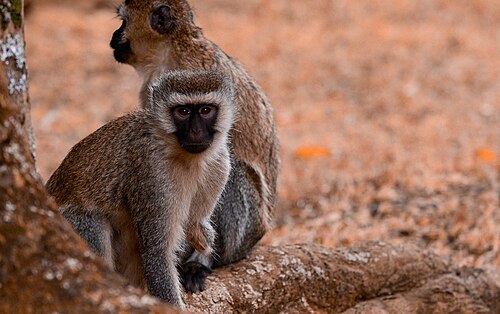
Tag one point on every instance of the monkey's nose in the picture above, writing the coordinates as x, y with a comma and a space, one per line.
196, 135
117, 37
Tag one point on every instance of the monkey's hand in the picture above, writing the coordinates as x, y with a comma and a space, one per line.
193, 275
195, 270
200, 237
197, 240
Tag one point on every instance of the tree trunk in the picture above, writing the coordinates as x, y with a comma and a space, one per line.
45, 267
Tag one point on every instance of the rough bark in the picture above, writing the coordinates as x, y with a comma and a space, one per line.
372, 277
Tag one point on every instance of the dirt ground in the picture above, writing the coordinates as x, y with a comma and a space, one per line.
388, 111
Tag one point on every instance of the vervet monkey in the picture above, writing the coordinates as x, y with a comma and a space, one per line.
136, 188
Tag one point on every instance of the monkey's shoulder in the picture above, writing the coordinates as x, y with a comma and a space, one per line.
105, 150
114, 135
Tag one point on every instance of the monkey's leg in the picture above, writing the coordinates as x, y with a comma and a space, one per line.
95, 230
126, 255
236, 218
238, 228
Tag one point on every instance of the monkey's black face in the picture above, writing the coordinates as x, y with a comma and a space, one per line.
122, 50
195, 126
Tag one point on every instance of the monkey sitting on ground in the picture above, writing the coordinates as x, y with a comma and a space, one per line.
132, 187
161, 35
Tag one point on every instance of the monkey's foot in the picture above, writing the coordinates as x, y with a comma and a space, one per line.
193, 275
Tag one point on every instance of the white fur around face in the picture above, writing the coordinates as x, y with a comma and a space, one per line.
222, 101
176, 99
161, 98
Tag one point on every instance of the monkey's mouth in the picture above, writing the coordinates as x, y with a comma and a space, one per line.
196, 148
122, 50
123, 53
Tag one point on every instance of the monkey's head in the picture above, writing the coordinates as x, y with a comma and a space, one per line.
196, 107
148, 27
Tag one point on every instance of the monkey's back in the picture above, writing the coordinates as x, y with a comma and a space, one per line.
94, 172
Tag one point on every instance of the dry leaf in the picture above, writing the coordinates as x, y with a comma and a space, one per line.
307, 152
486, 155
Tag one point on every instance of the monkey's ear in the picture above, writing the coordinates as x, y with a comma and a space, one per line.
162, 20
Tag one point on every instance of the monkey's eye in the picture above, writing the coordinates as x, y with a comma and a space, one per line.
205, 110
182, 112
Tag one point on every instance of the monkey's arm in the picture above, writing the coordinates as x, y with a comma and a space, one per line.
159, 232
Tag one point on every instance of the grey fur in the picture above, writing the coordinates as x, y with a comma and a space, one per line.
135, 195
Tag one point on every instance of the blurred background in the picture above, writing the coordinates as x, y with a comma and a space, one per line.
388, 111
